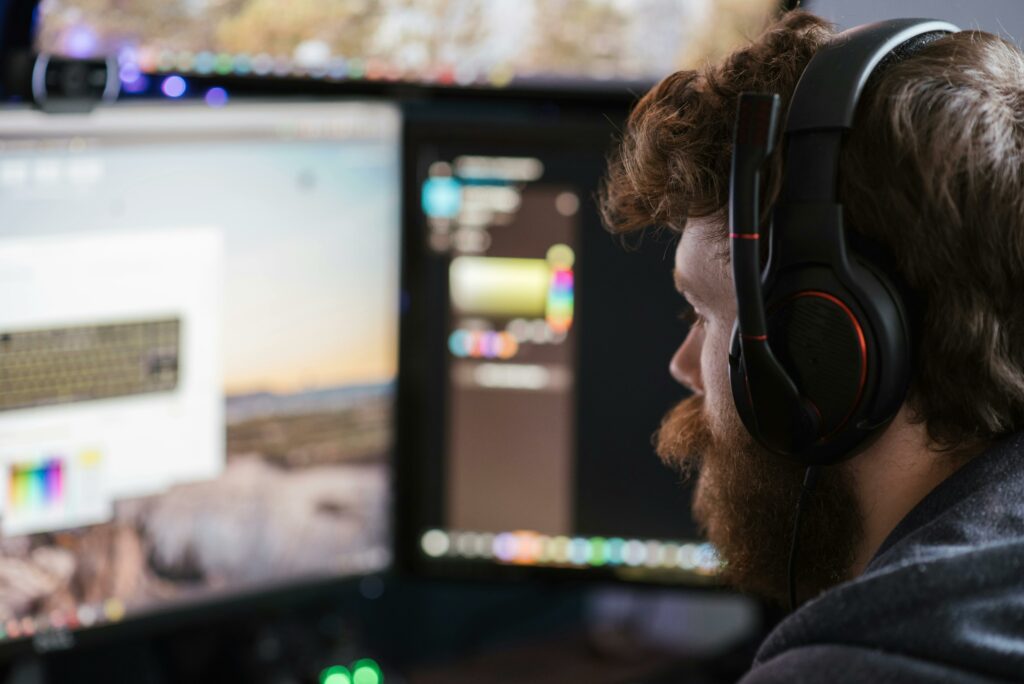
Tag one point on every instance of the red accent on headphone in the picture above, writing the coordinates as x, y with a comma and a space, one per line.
863, 353
744, 236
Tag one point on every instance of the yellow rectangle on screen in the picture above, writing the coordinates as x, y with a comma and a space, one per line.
499, 287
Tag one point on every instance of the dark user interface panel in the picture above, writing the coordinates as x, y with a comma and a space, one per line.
535, 399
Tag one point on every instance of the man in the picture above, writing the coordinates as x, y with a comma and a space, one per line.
911, 563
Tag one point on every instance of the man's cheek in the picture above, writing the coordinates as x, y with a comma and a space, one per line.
720, 409
715, 366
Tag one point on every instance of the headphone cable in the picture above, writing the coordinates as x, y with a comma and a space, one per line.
810, 480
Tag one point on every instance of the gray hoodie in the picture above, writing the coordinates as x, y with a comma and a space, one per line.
941, 601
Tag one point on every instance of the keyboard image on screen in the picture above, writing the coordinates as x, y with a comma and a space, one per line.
72, 364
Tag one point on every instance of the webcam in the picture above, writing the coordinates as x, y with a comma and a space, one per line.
61, 84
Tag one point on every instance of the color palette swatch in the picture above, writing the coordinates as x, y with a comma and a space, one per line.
57, 487
560, 301
36, 487
561, 293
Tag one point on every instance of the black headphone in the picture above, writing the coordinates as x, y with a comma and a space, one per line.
820, 359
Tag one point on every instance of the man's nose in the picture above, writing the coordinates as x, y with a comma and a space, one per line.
685, 365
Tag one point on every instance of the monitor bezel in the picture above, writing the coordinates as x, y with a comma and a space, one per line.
18, 32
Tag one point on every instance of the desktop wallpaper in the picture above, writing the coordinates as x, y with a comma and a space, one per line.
308, 216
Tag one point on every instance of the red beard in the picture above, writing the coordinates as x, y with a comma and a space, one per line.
745, 501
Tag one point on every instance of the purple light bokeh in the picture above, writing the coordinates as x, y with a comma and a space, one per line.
505, 546
216, 97
128, 54
174, 86
129, 73
80, 41
139, 85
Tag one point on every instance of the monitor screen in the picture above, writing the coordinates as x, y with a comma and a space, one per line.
535, 356
198, 346
487, 43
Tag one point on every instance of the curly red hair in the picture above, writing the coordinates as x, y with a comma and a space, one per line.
932, 172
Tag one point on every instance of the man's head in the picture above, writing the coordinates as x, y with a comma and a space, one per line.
931, 173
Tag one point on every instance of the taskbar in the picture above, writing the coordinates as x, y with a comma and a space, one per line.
51, 630
55, 629
634, 558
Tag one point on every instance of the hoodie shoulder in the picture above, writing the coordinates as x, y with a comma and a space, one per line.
839, 664
945, 593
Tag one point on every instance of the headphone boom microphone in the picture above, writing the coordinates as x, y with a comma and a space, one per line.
783, 421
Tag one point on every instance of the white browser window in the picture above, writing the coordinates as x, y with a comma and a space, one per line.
91, 307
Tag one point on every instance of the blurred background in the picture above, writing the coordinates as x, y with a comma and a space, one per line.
316, 364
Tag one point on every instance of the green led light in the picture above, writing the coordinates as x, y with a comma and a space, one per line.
597, 551
224, 63
366, 671
336, 675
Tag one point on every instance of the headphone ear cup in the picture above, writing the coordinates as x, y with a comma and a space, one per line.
892, 320
819, 340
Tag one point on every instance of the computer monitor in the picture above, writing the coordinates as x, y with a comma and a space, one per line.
560, 44
535, 353
198, 346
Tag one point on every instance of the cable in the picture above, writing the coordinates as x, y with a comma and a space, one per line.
810, 480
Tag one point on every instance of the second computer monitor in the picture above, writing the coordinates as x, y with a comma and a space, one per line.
535, 359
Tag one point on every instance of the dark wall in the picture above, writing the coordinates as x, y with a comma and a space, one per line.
1005, 17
